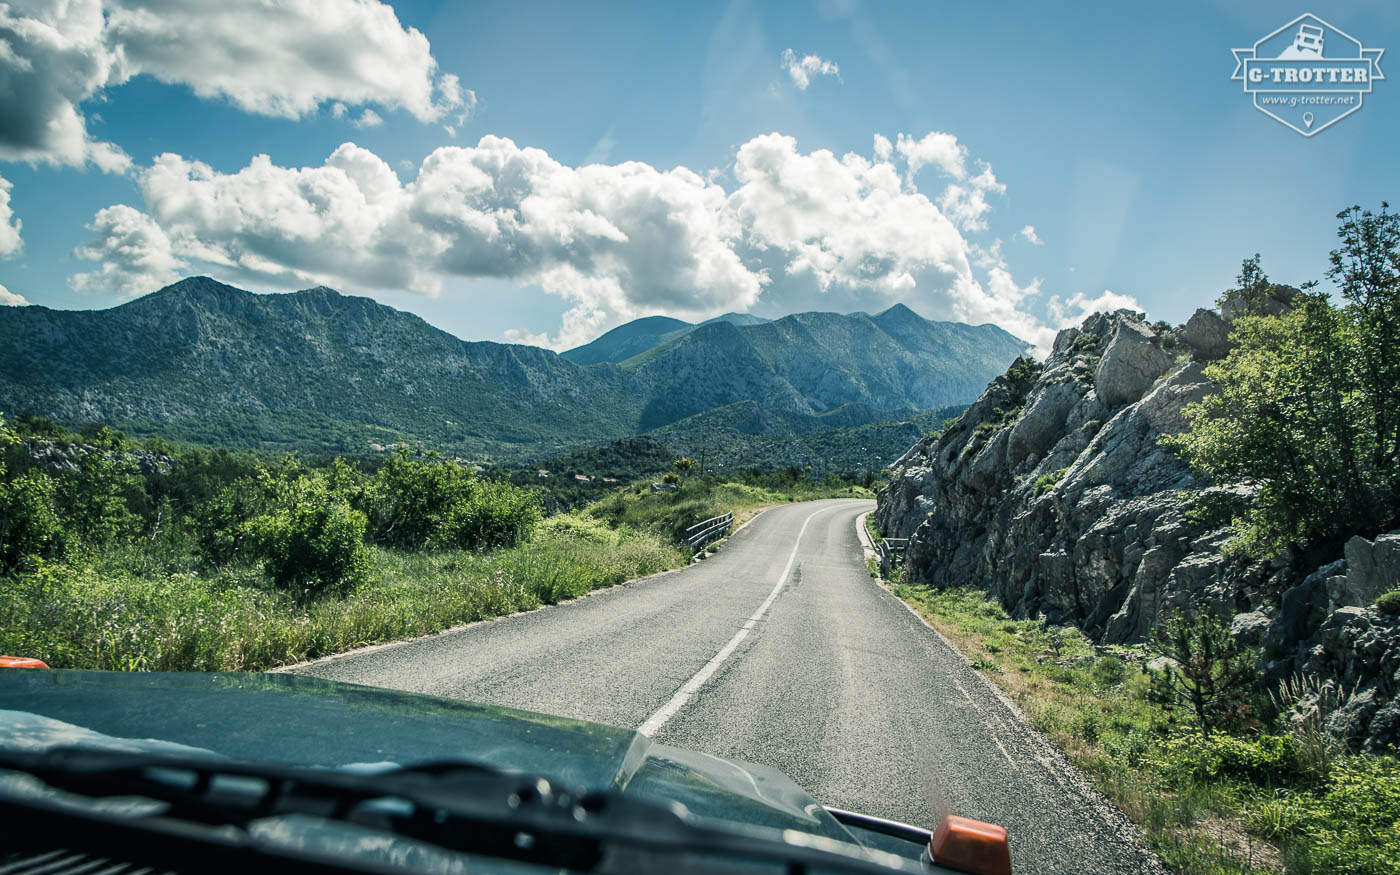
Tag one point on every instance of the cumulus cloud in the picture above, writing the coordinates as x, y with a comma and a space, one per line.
1028, 234
282, 59
964, 200
10, 242
10, 299
1066, 313
134, 252
935, 148
369, 119
613, 241
843, 220
801, 70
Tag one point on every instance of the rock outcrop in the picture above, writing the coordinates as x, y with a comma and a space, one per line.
1054, 493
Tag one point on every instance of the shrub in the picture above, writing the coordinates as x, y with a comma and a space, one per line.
1108, 671
310, 541
1211, 675
488, 515
1308, 407
1389, 602
29, 527
417, 503
1045, 482
1266, 760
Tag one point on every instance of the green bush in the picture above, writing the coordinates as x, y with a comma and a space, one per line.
1308, 406
426, 502
1389, 602
1266, 760
29, 526
1045, 482
1354, 827
488, 515
310, 541
1211, 676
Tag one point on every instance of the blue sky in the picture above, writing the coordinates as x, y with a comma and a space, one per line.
1112, 129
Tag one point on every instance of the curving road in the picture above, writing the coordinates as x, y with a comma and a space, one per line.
780, 649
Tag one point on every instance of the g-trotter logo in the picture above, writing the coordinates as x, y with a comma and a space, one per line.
1308, 74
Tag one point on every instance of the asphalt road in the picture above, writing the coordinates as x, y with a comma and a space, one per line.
780, 649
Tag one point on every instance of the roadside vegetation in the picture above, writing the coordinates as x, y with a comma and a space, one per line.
1242, 792
138, 555
1308, 411
1225, 773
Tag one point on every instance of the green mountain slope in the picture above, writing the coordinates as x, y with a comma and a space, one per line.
316, 370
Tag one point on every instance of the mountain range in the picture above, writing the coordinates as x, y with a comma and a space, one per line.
317, 370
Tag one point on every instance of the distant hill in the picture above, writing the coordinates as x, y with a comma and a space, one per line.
812, 362
205, 362
625, 341
640, 335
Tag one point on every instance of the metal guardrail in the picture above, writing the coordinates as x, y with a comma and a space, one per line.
889, 550
708, 530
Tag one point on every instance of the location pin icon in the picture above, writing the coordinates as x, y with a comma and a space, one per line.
1307, 119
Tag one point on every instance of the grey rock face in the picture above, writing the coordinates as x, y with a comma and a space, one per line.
1132, 363
1372, 568
1058, 498
1207, 334
1356, 664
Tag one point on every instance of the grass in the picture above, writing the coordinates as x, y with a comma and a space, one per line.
669, 514
1273, 801
108, 613
152, 605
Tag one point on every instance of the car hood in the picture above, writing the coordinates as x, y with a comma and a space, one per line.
293, 720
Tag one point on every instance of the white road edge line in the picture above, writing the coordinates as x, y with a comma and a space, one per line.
677, 702
864, 537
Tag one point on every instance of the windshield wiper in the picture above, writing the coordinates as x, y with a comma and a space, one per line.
209, 809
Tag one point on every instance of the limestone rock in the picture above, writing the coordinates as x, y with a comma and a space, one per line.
1207, 334
1131, 364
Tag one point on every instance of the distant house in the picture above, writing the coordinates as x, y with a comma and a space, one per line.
544, 473
583, 478
378, 448
609, 479
477, 468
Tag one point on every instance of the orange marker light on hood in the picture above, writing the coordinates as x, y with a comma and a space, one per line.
971, 846
21, 662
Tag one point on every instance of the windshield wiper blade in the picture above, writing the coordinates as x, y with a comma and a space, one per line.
455, 805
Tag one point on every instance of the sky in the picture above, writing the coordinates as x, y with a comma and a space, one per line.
543, 172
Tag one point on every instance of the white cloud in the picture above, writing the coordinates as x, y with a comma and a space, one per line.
843, 220
369, 119
134, 252
1067, 313
1028, 234
281, 59
338, 110
10, 242
10, 299
883, 149
936, 148
613, 241
54, 57
801, 70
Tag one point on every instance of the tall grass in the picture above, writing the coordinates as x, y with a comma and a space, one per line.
1285, 797
123, 611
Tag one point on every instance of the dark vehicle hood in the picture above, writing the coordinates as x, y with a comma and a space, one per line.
293, 720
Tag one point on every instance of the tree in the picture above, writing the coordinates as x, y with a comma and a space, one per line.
310, 540
684, 464
1209, 676
1366, 269
29, 525
1308, 406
